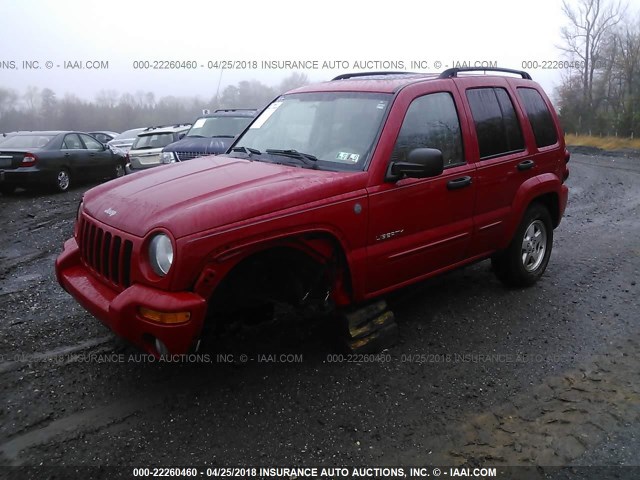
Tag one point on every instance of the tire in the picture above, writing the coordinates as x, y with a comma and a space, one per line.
63, 180
526, 258
119, 171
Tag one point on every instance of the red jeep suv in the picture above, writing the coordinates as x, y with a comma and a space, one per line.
336, 194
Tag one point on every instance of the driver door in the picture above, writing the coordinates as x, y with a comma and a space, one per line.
419, 226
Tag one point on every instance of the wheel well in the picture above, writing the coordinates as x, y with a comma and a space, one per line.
550, 201
302, 271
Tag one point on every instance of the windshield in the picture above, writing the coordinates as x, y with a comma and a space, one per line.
27, 141
218, 126
337, 128
155, 140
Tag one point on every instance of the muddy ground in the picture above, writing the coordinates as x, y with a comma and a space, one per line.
482, 375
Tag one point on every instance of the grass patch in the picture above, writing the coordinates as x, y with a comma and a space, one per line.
605, 143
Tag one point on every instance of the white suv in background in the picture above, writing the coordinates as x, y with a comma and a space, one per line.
145, 151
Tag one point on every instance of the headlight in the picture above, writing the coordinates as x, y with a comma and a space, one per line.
167, 157
161, 254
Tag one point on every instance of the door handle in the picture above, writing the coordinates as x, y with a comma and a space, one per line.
526, 165
92, 154
459, 183
67, 154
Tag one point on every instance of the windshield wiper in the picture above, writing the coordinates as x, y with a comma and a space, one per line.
143, 148
247, 150
222, 136
195, 136
305, 158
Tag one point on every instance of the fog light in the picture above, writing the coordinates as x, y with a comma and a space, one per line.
161, 348
164, 317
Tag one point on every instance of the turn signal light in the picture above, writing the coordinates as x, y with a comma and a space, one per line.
164, 317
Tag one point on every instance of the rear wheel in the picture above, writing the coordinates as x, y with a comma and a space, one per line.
527, 256
63, 180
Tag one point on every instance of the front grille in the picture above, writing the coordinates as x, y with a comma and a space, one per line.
105, 252
182, 156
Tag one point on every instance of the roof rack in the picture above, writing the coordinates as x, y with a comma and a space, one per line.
453, 72
168, 126
234, 110
345, 76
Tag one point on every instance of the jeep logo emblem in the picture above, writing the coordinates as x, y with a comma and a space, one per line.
110, 211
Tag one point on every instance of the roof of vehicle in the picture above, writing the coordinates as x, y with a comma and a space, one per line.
103, 131
125, 135
46, 132
232, 112
391, 82
165, 129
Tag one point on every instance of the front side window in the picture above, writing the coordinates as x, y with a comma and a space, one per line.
331, 130
91, 143
153, 140
496, 122
544, 129
431, 122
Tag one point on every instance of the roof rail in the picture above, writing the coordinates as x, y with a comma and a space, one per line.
453, 72
235, 110
345, 76
168, 126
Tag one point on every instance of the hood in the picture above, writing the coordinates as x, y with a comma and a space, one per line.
204, 146
210, 192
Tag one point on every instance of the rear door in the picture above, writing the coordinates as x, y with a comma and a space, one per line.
503, 160
419, 226
74, 155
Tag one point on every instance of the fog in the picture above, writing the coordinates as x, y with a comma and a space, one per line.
93, 46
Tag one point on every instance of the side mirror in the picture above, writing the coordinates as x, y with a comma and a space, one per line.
421, 163
181, 136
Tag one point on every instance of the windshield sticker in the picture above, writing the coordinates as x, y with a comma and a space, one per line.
347, 157
199, 123
382, 105
266, 114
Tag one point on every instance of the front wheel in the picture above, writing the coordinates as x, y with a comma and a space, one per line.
63, 180
527, 256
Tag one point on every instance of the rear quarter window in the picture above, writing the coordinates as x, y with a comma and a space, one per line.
544, 128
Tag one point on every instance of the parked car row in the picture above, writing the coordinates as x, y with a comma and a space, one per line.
209, 135
54, 159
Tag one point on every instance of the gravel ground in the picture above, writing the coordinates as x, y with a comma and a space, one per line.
482, 375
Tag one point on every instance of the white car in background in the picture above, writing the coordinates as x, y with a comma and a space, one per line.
146, 149
124, 140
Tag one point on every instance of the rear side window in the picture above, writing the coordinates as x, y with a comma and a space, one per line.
496, 122
431, 122
544, 128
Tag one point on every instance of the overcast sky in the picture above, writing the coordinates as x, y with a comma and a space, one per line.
119, 32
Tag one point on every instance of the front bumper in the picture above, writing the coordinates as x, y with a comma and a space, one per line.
120, 310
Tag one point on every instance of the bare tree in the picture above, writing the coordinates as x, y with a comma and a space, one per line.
589, 23
32, 98
8, 99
